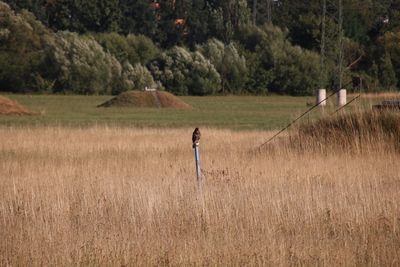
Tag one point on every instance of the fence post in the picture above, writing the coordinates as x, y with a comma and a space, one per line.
196, 155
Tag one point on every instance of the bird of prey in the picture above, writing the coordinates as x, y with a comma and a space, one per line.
196, 137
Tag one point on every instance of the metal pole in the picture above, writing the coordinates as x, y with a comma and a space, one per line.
254, 12
341, 35
269, 11
200, 187
196, 155
322, 77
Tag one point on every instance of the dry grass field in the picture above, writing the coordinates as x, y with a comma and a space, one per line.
116, 196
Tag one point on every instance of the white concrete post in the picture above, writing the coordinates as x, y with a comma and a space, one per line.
341, 97
321, 96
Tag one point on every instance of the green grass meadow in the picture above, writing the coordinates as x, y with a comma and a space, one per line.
231, 112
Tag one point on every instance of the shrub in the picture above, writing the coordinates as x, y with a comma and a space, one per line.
183, 72
229, 64
296, 70
137, 77
83, 66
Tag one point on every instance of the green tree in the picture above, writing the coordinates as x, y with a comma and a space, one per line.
185, 73
144, 48
84, 15
82, 66
22, 60
229, 64
296, 71
138, 17
198, 23
386, 73
227, 17
136, 77
132, 48
37, 7
256, 47
275, 64
374, 72
306, 32
389, 44
118, 46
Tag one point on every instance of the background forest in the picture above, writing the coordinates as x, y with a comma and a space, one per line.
196, 47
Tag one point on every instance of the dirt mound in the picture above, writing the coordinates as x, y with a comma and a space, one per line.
9, 107
143, 99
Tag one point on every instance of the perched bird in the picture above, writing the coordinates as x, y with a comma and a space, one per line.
196, 137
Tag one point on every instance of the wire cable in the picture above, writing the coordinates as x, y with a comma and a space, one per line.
301, 116
342, 107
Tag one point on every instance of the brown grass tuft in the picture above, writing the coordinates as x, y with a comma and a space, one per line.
9, 107
158, 99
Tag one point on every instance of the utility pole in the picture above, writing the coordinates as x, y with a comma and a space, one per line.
332, 41
340, 53
254, 12
269, 11
322, 76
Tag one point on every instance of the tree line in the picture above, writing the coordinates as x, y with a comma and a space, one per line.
196, 47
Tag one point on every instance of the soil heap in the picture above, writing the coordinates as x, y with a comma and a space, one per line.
9, 107
146, 99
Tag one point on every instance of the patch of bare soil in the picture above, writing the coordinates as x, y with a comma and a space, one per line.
10, 107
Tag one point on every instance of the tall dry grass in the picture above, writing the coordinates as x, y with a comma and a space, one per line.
120, 196
365, 132
372, 96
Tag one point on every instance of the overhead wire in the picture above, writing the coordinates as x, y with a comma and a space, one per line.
301, 116
348, 103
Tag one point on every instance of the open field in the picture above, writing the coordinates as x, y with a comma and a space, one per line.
115, 196
233, 112
224, 112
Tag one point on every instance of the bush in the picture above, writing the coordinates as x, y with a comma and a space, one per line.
132, 48
32, 58
183, 72
137, 77
229, 64
82, 66
296, 70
